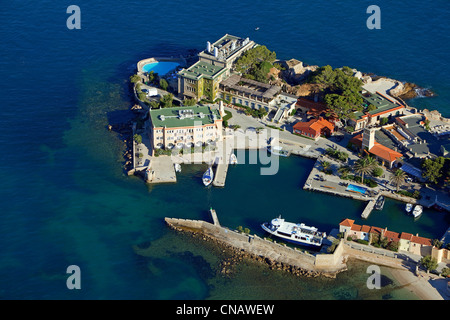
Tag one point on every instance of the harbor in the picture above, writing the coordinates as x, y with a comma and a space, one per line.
302, 263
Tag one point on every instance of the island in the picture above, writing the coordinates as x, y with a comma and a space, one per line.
369, 144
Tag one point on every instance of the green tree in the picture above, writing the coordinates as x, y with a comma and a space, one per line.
153, 104
377, 172
189, 102
163, 84
137, 138
135, 79
429, 263
344, 171
398, 178
151, 76
342, 90
365, 166
325, 165
166, 100
433, 169
252, 60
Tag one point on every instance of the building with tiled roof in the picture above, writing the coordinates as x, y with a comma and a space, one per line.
382, 107
314, 128
406, 241
366, 141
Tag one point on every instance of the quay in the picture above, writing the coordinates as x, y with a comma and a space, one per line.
368, 209
220, 175
273, 253
325, 264
160, 170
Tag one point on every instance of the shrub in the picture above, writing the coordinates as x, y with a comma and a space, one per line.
377, 172
137, 138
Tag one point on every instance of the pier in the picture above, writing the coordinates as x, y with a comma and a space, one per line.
220, 175
161, 170
214, 217
270, 251
368, 209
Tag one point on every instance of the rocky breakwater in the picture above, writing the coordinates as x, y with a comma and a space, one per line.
233, 254
125, 132
409, 90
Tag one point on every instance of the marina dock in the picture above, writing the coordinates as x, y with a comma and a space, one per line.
369, 207
161, 170
220, 175
271, 251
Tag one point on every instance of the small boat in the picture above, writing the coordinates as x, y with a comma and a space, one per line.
233, 159
177, 167
208, 177
277, 150
408, 207
257, 28
297, 233
380, 203
417, 212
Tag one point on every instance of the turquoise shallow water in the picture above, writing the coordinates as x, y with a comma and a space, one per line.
160, 68
65, 199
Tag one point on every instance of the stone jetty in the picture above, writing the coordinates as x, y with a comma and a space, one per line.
272, 253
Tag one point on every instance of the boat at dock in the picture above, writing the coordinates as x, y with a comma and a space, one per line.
233, 159
277, 150
417, 212
380, 203
177, 167
408, 207
297, 233
208, 177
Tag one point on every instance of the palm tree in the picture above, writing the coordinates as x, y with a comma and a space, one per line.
344, 171
398, 178
325, 165
365, 166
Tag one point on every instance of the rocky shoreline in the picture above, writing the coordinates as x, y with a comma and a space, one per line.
125, 132
233, 256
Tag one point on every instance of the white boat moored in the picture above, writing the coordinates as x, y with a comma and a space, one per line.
408, 207
208, 177
418, 209
233, 159
297, 233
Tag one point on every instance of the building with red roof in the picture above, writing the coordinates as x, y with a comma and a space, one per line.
366, 141
314, 128
406, 241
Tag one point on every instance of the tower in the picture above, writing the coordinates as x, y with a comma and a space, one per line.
221, 109
368, 138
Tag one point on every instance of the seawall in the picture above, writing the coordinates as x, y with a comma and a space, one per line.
270, 252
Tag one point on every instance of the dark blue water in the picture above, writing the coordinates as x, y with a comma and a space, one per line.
64, 198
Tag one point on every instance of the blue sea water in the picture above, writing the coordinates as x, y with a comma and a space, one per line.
64, 199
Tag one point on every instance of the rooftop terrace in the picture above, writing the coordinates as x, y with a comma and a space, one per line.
381, 103
201, 69
183, 117
252, 87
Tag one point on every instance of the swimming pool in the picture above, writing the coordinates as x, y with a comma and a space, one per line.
160, 67
352, 187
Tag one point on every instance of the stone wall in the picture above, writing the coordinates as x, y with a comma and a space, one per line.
325, 261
